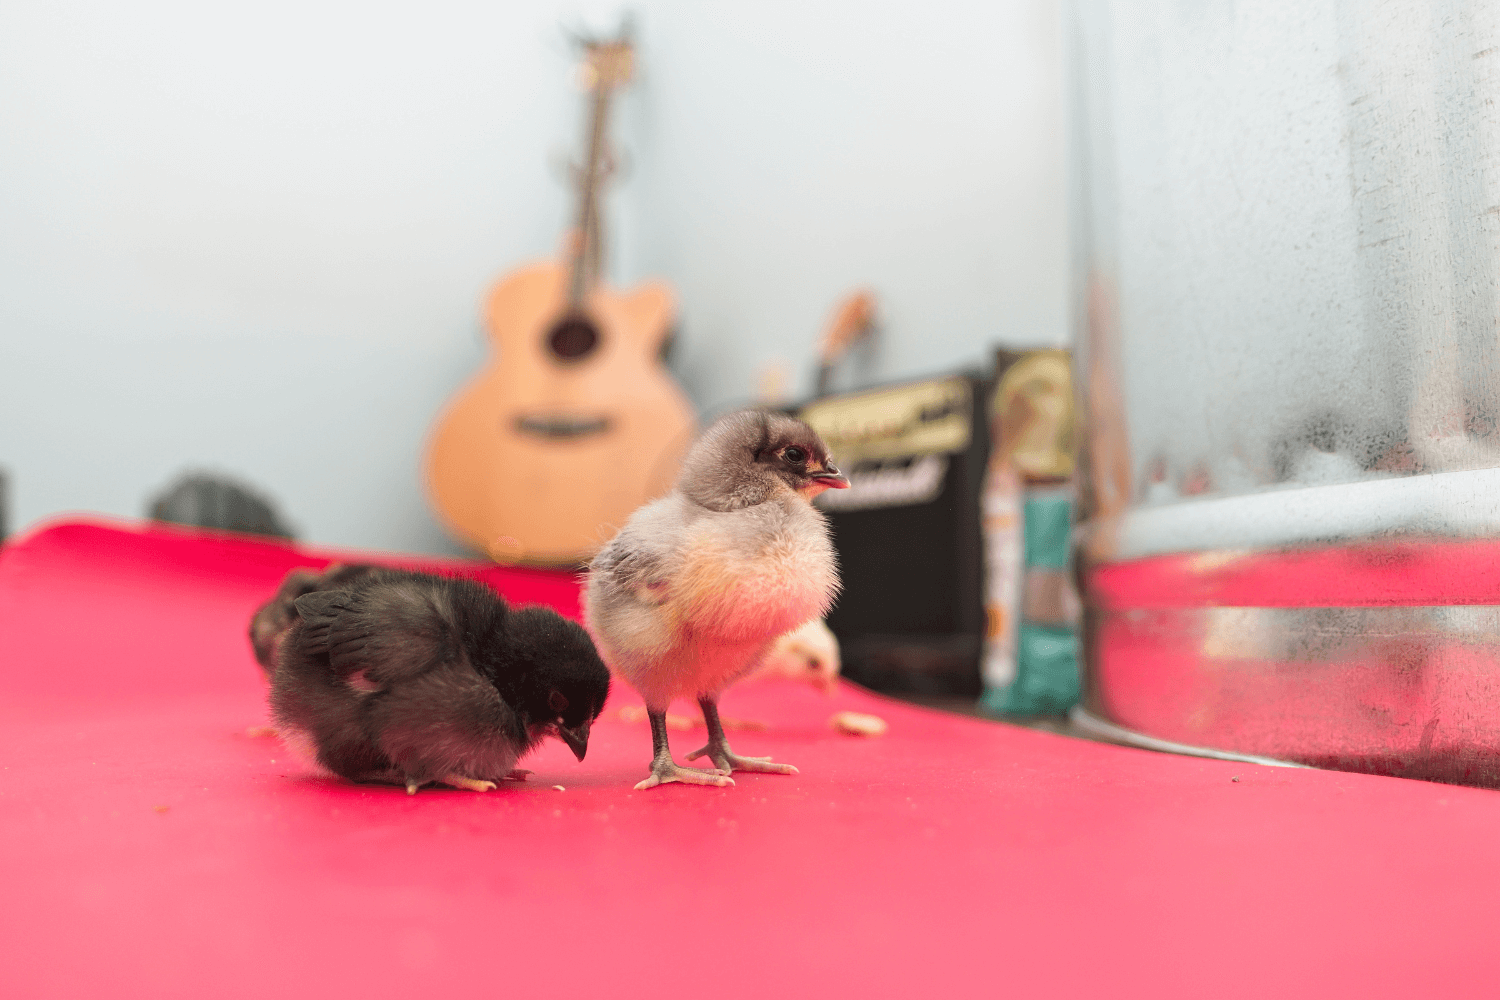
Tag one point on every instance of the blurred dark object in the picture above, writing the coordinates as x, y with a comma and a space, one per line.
911, 617
205, 500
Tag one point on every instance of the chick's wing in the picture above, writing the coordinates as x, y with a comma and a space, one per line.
379, 635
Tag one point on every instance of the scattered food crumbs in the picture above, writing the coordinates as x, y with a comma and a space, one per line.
560, 788
161, 809
858, 724
258, 731
1236, 778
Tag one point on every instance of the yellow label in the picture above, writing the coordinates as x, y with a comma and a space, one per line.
1032, 415
925, 418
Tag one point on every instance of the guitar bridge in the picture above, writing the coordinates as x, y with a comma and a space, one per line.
557, 427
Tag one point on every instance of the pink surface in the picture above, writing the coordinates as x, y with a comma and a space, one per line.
1423, 573
952, 855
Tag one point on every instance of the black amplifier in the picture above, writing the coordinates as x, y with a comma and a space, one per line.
911, 617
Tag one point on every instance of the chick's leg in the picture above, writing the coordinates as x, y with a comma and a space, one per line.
664, 769
718, 750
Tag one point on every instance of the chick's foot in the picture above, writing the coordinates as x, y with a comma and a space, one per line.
727, 760
665, 770
468, 784
718, 750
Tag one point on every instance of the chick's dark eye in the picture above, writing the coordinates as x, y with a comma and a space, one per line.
794, 455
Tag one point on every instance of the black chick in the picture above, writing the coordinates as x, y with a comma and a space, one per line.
273, 618
410, 678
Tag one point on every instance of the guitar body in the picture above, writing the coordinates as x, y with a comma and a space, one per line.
541, 457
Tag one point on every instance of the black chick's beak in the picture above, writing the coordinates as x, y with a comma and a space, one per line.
831, 478
576, 738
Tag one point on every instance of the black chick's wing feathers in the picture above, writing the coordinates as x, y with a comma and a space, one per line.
395, 628
275, 618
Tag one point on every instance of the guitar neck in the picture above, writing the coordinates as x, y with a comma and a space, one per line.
823, 380
852, 321
587, 263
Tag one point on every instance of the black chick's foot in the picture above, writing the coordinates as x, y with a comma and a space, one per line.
727, 760
453, 781
664, 770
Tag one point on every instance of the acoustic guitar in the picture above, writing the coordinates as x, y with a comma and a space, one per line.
574, 422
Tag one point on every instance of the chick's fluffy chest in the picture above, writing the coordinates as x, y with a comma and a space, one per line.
756, 573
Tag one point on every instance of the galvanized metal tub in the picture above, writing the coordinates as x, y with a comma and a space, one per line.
1288, 253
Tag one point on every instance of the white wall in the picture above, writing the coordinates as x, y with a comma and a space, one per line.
255, 237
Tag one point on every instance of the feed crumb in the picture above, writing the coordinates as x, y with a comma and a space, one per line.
257, 731
560, 788
161, 809
1234, 779
858, 724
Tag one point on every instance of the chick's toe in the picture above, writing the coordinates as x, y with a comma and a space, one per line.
468, 784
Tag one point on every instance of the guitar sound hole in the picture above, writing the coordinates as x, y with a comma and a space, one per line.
573, 338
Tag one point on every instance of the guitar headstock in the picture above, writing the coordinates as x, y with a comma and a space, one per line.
607, 64
854, 318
